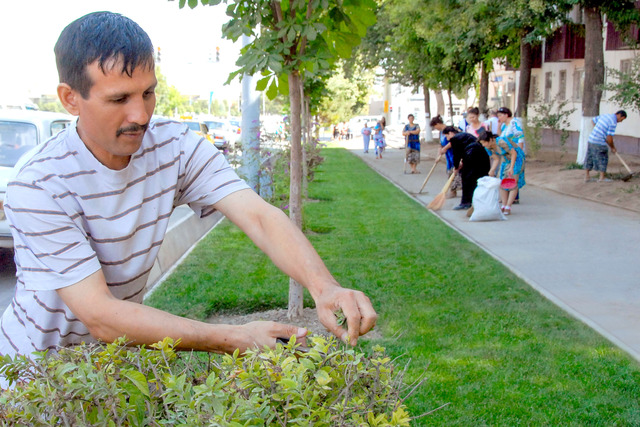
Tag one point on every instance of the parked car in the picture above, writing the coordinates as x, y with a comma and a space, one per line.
221, 132
20, 131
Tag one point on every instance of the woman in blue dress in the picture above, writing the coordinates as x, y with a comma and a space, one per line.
511, 159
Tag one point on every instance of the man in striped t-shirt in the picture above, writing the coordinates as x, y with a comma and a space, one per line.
89, 210
600, 139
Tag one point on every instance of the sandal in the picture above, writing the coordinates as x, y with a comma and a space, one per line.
507, 210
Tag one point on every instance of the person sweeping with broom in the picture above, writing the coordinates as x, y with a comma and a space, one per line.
470, 160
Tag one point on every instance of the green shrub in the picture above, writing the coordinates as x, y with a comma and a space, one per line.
328, 385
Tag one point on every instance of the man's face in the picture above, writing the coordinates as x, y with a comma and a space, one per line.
620, 118
113, 119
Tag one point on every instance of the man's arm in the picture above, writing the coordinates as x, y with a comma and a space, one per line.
108, 318
610, 143
274, 233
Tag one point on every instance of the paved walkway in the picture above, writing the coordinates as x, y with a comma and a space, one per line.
581, 255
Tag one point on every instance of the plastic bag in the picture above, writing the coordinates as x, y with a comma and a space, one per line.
486, 200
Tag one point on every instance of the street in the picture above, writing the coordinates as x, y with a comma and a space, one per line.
7, 277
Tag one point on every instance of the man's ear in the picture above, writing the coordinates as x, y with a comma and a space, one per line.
69, 98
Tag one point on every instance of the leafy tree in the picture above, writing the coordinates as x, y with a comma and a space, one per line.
169, 101
528, 22
293, 40
346, 97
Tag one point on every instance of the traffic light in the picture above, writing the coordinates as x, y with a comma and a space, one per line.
217, 53
158, 55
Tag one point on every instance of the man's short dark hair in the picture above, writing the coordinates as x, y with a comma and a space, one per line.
622, 113
102, 37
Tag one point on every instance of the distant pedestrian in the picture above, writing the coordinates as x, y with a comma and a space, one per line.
600, 140
366, 137
336, 131
378, 139
411, 133
438, 124
470, 159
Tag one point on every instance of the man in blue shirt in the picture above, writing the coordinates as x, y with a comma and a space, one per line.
600, 140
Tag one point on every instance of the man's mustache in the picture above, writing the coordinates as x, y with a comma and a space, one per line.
132, 128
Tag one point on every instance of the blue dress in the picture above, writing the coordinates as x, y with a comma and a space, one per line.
505, 145
444, 141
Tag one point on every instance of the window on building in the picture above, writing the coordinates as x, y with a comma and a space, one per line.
548, 84
625, 66
578, 84
562, 85
533, 90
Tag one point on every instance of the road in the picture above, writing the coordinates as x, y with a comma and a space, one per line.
7, 277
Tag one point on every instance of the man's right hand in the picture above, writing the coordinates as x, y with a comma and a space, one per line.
260, 334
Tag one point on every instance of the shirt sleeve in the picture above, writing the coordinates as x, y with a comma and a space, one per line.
207, 177
52, 249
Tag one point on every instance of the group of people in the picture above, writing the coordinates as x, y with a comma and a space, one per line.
495, 147
377, 133
342, 131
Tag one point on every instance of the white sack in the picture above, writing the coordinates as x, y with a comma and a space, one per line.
486, 200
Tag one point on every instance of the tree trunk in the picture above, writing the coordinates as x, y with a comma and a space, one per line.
250, 125
449, 94
305, 142
484, 89
440, 102
428, 133
295, 194
593, 76
525, 78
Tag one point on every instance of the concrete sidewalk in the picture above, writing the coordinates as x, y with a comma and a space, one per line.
581, 255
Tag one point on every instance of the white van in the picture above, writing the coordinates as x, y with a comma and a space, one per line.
20, 131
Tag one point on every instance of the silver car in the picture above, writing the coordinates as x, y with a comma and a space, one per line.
20, 131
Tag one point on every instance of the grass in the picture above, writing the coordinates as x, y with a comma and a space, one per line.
492, 347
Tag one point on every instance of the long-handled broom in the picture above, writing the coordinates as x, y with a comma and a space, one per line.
430, 172
438, 201
626, 177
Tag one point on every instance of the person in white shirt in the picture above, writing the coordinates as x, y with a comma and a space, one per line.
89, 210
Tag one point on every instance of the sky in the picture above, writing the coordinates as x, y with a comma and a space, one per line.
30, 29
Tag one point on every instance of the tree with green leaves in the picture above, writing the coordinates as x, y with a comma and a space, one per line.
293, 40
621, 13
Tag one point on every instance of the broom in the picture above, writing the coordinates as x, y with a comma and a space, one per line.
438, 201
627, 177
430, 172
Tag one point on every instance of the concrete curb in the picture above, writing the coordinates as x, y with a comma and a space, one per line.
181, 238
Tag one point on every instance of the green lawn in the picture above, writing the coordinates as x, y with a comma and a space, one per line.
492, 347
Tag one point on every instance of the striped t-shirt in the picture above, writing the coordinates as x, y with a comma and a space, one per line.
70, 216
605, 125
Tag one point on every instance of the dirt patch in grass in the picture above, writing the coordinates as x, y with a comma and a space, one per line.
309, 320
